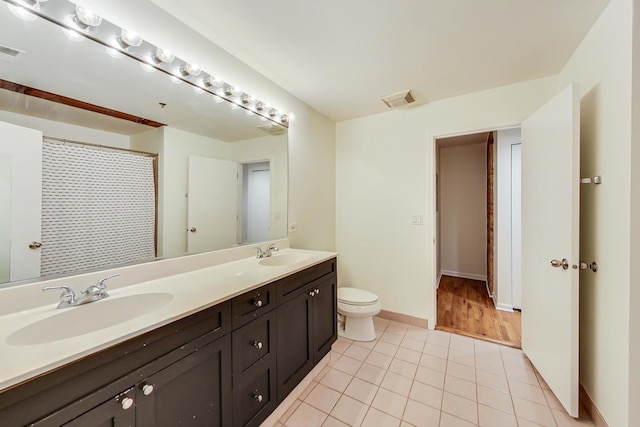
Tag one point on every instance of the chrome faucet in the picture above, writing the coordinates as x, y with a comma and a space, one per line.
92, 293
268, 252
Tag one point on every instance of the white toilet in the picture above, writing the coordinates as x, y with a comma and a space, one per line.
357, 308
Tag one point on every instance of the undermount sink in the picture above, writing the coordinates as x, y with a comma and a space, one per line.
87, 318
283, 259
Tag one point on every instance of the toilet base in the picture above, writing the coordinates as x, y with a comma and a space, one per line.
357, 328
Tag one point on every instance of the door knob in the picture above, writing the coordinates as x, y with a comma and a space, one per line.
147, 389
35, 245
193, 229
585, 266
127, 403
257, 396
257, 344
564, 263
258, 303
312, 293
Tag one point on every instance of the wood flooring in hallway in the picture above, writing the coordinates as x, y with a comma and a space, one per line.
464, 307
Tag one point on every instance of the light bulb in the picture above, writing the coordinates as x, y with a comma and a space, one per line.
228, 90
273, 112
212, 81
86, 18
188, 69
236, 91
129, 38
284, 118
260, 105
164, 55
248, 99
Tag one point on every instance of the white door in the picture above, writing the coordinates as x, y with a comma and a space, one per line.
516, 226
21, 151
212, 207
550, 220
258, 205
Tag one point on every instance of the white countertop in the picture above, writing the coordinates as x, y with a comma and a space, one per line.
192, 292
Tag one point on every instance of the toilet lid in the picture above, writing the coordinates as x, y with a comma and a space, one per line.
356, 296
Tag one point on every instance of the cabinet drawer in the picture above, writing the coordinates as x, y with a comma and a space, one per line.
253, 342
291, 286
255, 397
252, 304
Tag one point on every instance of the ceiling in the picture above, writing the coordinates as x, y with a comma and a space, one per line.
341, 56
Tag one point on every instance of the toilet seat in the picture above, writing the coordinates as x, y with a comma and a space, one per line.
355, 296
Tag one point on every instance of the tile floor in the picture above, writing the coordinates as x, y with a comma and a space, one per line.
411, 376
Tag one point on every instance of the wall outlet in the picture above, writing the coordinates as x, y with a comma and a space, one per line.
293, 227
417, 220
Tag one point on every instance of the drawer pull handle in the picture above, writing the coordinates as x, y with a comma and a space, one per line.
257, 344
312, 293
127, 403
257, 396
147, 389
258, 303
317, 291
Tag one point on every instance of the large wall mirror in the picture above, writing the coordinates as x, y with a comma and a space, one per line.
81, 191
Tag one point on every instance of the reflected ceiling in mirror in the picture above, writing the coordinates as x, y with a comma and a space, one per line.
198, 123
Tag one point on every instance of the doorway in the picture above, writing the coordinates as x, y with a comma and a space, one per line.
256, 201
468, 187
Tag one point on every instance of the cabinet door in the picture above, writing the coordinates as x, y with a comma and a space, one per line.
117, 412
295, 335
325, 317
194, 391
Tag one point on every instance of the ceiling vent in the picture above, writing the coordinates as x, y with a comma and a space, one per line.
8, 54
272, 128
398, 99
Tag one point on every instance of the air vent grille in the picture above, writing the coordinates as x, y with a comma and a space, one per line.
9, 54
398, 99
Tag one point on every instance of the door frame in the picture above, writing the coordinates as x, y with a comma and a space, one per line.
433, 137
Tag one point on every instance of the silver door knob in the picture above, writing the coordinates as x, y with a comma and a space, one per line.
258, 303
317, 291
257, 344
312, 293
257, 396
127, 403
35, 245
564, 263
585, 266
193, 229
147, 389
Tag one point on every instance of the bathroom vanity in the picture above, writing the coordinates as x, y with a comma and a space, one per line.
227, 362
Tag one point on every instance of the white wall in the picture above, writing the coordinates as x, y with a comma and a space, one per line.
385, 174
311, 135
602, 67
5, 217
503, 290
463, 211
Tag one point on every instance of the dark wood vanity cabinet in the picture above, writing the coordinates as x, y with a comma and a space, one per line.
228, 365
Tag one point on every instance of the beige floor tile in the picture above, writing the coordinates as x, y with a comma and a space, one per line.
278, 424
357, 352
435, 350
349, 411
341, 345
389, 403
487, 379
378, 359
406, 424
419, 414
336, 380
448, 420
517, 361
439, 337
460, 387
462, 344
530, 411
526, 423
307, 390
488, 353
323, 398
391, 338
403, 368
397, 328
380, 323
430, 377
290, 411
366, 344
461, 371
412, 344
433, 362
332, 422
397, 383
490, 417
408, 355
494, 366
460, 407
528, 392
415, 333
348, 365
306, 416
565, 420
552, 400
495, 399
370, 373
333, 358
376, 418
462, 357
386, 348
361, 390
426, 394
521, 375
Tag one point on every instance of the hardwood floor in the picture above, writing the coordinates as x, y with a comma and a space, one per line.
465, 308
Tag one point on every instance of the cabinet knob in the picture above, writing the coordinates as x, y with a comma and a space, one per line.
257, 396
147, 389
312, 293
258, 303
317, 291
257, 344
127, 403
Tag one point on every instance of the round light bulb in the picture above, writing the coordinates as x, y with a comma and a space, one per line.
164, 55
236, 91
190, 69
129, 38
86, 17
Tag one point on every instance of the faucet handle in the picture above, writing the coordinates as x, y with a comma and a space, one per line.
260, 253
272, 247
67, 298
101, 284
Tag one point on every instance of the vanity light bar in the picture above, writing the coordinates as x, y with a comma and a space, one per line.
86, 23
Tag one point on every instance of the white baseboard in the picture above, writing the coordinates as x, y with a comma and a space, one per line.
438, 280
504, 307
464, 275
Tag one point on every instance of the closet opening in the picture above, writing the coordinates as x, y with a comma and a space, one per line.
477, 235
